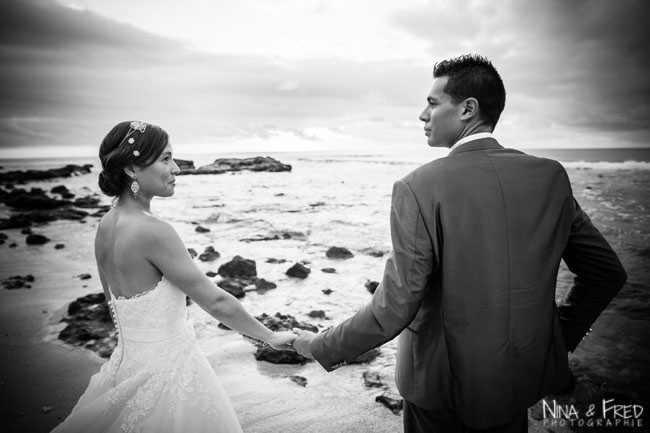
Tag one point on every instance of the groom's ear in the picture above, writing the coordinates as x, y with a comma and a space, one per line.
470, 108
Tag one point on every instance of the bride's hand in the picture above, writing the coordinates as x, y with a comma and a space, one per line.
283, 340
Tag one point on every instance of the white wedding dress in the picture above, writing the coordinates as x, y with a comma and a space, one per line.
157, 379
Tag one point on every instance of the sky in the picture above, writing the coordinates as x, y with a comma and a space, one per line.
314, 75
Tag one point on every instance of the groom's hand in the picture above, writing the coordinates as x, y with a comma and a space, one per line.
302, 344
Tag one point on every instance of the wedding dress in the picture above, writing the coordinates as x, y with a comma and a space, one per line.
157, 379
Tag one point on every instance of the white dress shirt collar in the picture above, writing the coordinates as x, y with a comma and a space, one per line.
471, 137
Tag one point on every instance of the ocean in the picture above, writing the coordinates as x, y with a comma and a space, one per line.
343, 199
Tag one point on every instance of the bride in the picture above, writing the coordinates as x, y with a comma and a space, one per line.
157, 379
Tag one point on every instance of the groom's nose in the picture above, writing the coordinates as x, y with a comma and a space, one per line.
424, 116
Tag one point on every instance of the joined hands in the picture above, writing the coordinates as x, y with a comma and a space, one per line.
302, 343
283, 341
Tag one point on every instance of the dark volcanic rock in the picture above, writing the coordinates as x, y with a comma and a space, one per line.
211, 274
238, 267
338, 253
302, 381
209, 254
201, 229
317, 314
60, 189
372, 286
394, 404
298, 271
329, 270
84, 276
35, 199
373, 252
372, 379
36, 239
192, 252
223, 165
233, 286
281, 322
272, 260
263, 285
3, 238
18, 282
327, 291
87, 202
59, 246
31, 175
90, 325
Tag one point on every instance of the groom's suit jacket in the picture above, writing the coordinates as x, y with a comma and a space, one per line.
470, 284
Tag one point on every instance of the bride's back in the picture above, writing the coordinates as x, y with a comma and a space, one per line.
120, 251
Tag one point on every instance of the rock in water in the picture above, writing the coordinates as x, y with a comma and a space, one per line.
184, 164
223, 165
372, 286
29, 175
90, 325
35, 239
394, 404
238, 267
18, 282
209, 254
233, 286
372, 379
263, 285
339, 253
298, 271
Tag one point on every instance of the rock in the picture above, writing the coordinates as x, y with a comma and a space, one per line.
84, 276
211, 274
52, 173
263, 285
329, 270
338, 253
373, 252
3, 238
371, 286
26, 231
192, 252
35, 239
60, 189
18, 282
87, 202
284, 322
372, 379
317, 314
276, 260
394, 404
209, 254
201, 229
46, 409
13, 245
233, 286
366, 357
26, 219
59, 246
298, 271
268, 354
224, 165
299, 380
327, 291
35, 199
184, 164
238, 267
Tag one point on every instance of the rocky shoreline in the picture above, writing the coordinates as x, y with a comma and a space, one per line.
226, 165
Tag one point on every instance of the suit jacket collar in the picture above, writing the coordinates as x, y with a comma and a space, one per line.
480, 144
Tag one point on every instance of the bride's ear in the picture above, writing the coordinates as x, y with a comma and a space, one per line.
130, 171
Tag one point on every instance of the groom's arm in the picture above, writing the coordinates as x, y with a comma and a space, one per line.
397, 299
599, 276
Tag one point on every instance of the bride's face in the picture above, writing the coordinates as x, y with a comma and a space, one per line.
158, 178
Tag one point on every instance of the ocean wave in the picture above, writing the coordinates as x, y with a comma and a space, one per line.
603, 165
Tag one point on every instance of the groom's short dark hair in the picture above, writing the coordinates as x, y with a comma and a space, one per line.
474, 76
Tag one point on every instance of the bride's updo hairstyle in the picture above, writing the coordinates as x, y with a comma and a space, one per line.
128, 143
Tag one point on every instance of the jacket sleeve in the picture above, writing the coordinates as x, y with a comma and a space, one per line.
599, 276
397, 298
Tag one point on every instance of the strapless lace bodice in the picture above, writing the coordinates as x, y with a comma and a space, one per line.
152, 315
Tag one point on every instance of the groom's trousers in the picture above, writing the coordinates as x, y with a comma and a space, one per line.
418, 420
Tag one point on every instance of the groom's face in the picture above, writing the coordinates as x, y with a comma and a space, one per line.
441, 116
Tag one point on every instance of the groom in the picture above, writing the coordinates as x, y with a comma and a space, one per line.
470, 285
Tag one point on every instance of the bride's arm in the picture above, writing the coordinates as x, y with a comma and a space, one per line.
165, 250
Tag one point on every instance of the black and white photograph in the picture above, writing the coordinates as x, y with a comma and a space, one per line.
324, 216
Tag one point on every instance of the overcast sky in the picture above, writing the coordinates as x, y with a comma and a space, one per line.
273, 75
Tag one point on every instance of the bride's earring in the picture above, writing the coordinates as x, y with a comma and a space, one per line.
135, 187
